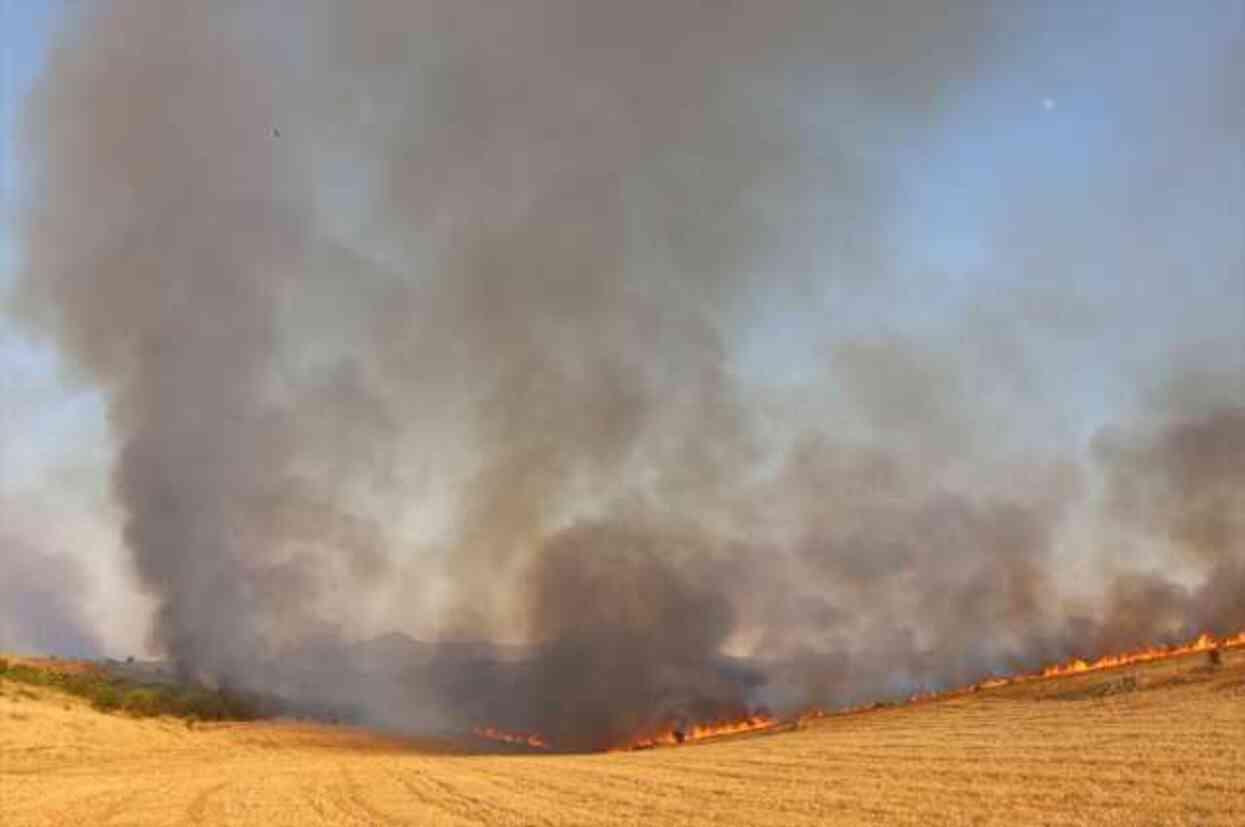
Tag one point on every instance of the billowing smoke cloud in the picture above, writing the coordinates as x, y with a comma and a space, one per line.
41, 602
1184, 483
325, 263
189, 239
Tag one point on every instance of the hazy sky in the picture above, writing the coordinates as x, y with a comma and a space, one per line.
1067, 228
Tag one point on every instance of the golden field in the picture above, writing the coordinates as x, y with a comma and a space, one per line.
1162, 743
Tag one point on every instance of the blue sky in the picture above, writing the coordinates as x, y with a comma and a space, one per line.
1052, 208
54, 447
1037, 161
26, 367
27, 26
61, 425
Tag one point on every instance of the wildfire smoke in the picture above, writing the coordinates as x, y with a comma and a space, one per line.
577, 327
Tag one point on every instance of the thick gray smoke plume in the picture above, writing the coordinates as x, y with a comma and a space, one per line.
38, 608
499, 260
1185, 483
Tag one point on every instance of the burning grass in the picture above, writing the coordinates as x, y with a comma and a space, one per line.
676, 733
670, 734
1166, 753
1204, 644
524, 739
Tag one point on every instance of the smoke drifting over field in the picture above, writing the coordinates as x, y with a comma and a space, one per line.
38, 612
498, 264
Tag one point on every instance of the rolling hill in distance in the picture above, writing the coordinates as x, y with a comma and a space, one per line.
1149, 743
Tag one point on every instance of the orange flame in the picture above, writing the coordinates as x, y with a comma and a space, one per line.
1079, 666
1203, 644
529, 739
1076, 666
672, 734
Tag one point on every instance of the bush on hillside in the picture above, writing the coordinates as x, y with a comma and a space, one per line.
142, 703
106, 698
111, 694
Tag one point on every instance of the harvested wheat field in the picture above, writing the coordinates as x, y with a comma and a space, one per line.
1163, 743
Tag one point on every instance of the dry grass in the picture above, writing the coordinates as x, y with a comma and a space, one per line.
1166, 747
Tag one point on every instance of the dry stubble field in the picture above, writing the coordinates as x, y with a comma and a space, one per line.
1158, 744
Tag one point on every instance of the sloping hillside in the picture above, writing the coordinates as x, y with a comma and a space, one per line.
1162, 743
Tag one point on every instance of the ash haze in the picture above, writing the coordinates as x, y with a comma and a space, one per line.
718, 354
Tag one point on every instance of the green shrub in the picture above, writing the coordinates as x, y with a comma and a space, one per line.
142, 703
105, 697
204, 705
30, 675
108, 693
4, 665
